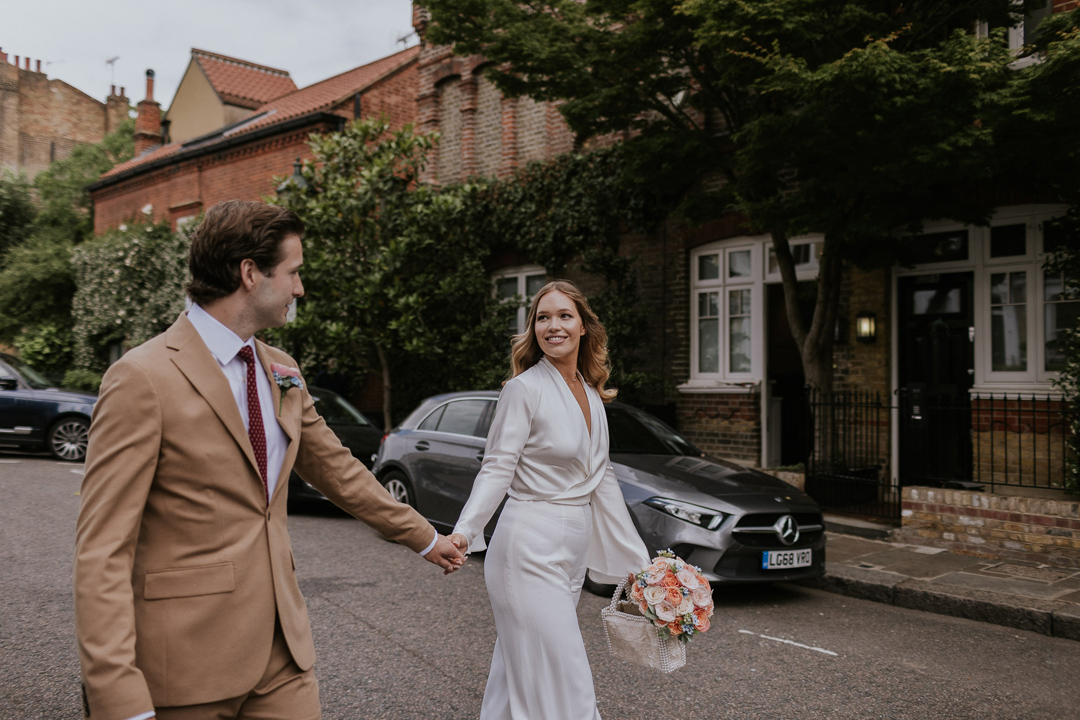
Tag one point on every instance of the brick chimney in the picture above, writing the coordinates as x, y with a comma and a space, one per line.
117, 109
148, 122
3, 55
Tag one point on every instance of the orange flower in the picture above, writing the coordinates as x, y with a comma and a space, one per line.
675, 628
670, 581
701, 619
674, 596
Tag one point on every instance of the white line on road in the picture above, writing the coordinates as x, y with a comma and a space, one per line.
10, 462
79, 472
790, 642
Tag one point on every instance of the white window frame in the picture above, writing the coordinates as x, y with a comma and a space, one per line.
520, 272
1035, 379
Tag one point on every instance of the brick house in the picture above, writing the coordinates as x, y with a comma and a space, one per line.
42, 119
175, 181
954, 366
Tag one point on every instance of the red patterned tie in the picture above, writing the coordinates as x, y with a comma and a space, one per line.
255, 422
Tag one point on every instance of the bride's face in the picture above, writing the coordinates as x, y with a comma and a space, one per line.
558, 326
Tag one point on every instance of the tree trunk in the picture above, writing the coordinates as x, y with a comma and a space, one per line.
385, 366
815, 343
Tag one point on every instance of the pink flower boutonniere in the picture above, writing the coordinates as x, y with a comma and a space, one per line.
286, 377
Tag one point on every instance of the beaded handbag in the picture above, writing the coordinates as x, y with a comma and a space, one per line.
632, 636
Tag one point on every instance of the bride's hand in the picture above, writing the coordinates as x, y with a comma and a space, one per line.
460, 541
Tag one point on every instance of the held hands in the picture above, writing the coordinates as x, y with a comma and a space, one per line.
460, 542
446, 555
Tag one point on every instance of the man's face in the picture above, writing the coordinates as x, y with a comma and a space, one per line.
274, 291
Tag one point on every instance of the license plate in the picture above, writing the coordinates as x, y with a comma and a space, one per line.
783, 559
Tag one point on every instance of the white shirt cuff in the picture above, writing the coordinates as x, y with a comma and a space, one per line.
423, 552
144, 716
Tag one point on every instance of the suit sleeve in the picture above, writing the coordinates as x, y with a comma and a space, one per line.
510, 430
125, 439
330, 468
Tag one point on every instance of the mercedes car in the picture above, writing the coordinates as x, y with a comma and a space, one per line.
737, 524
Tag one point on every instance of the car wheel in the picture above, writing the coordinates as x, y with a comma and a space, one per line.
399, 488
68, 439
596, 588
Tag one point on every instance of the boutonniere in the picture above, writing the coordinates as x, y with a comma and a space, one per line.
286, 377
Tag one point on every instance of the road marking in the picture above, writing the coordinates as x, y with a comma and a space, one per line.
79, 472
790, 642
10, 462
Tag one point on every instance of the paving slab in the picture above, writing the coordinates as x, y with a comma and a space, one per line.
1007, 586
922, 566
841, 548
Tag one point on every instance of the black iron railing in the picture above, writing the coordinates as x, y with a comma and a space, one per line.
947, 438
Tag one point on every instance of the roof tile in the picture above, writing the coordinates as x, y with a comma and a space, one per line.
243, 83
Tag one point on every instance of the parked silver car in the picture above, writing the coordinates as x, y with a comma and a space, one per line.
738, 525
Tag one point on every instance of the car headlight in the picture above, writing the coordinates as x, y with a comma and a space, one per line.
694, 514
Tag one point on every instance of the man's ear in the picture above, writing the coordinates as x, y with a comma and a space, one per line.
248, 268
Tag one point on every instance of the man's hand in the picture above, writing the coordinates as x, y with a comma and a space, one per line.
459, 540
446, 555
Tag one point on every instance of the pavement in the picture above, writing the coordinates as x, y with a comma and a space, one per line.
862, 562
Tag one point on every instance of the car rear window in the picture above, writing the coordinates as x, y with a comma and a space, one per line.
462, 416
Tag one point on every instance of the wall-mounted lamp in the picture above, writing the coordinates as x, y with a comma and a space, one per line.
866, 327
295, 181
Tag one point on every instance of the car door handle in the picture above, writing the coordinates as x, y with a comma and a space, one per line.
423, 445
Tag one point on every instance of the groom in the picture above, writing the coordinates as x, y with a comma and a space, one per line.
186, 598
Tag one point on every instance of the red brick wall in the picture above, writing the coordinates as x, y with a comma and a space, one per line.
242, 173
42, 119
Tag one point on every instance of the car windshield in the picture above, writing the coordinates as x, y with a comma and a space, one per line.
32, 377
336, 411
643, 434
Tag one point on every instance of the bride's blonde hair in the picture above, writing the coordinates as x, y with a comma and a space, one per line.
592, 360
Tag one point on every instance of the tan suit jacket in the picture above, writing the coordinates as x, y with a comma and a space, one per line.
180, 563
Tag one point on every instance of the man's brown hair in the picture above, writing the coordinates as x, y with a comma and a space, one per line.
232, 231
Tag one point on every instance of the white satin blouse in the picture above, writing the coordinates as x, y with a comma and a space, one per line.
539, 449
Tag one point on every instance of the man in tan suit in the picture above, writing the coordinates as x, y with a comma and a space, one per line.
186, 598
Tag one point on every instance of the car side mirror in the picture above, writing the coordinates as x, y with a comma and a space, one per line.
8, 383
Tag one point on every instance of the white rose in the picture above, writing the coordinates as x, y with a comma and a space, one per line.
688, 578
654, 594
665, 611
687, 605
702, 597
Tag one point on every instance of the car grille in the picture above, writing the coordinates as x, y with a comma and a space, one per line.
749, 530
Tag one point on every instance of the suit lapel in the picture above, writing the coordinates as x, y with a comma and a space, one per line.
198, 365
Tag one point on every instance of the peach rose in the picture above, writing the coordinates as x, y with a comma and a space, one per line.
654, 594
685, 606
701, 620
702, 597
688, 578
643, 606
636, 592
670, 581
676, 629
665, 611
674, 596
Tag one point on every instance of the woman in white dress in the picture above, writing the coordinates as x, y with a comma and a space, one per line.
547, 452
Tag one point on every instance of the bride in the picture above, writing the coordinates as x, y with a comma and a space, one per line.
547, 450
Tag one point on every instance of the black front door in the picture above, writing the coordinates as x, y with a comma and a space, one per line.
935, 366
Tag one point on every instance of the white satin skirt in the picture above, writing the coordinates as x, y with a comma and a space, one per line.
534, 569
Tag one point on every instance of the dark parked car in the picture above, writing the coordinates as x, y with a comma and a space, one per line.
34, 415
354, 430
738, 525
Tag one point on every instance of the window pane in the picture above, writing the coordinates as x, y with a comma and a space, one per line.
1018, 287
739, 264
533, 284
708, 304
1008, 338
432, 421
506, 288
999, 288
461, 416
1053, 236
1053, 287
709, 267
936, 301
1008, 240
938, 247
709, 345
1060, 316
740, 345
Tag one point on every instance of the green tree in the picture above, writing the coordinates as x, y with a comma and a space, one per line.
847, 118
17, 211
37, 283
131, 286
394, 284
1065, 262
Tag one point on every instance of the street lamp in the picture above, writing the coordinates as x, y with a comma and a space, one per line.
866, 327
294, 182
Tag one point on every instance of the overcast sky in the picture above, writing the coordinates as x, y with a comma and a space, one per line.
312, 39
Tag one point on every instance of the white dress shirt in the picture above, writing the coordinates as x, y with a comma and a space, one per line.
224, 345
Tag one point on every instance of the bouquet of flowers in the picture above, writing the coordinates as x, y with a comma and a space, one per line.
674, 596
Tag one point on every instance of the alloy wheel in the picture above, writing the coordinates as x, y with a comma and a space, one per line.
69, 439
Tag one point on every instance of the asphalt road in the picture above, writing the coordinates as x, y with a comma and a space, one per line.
398, 641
